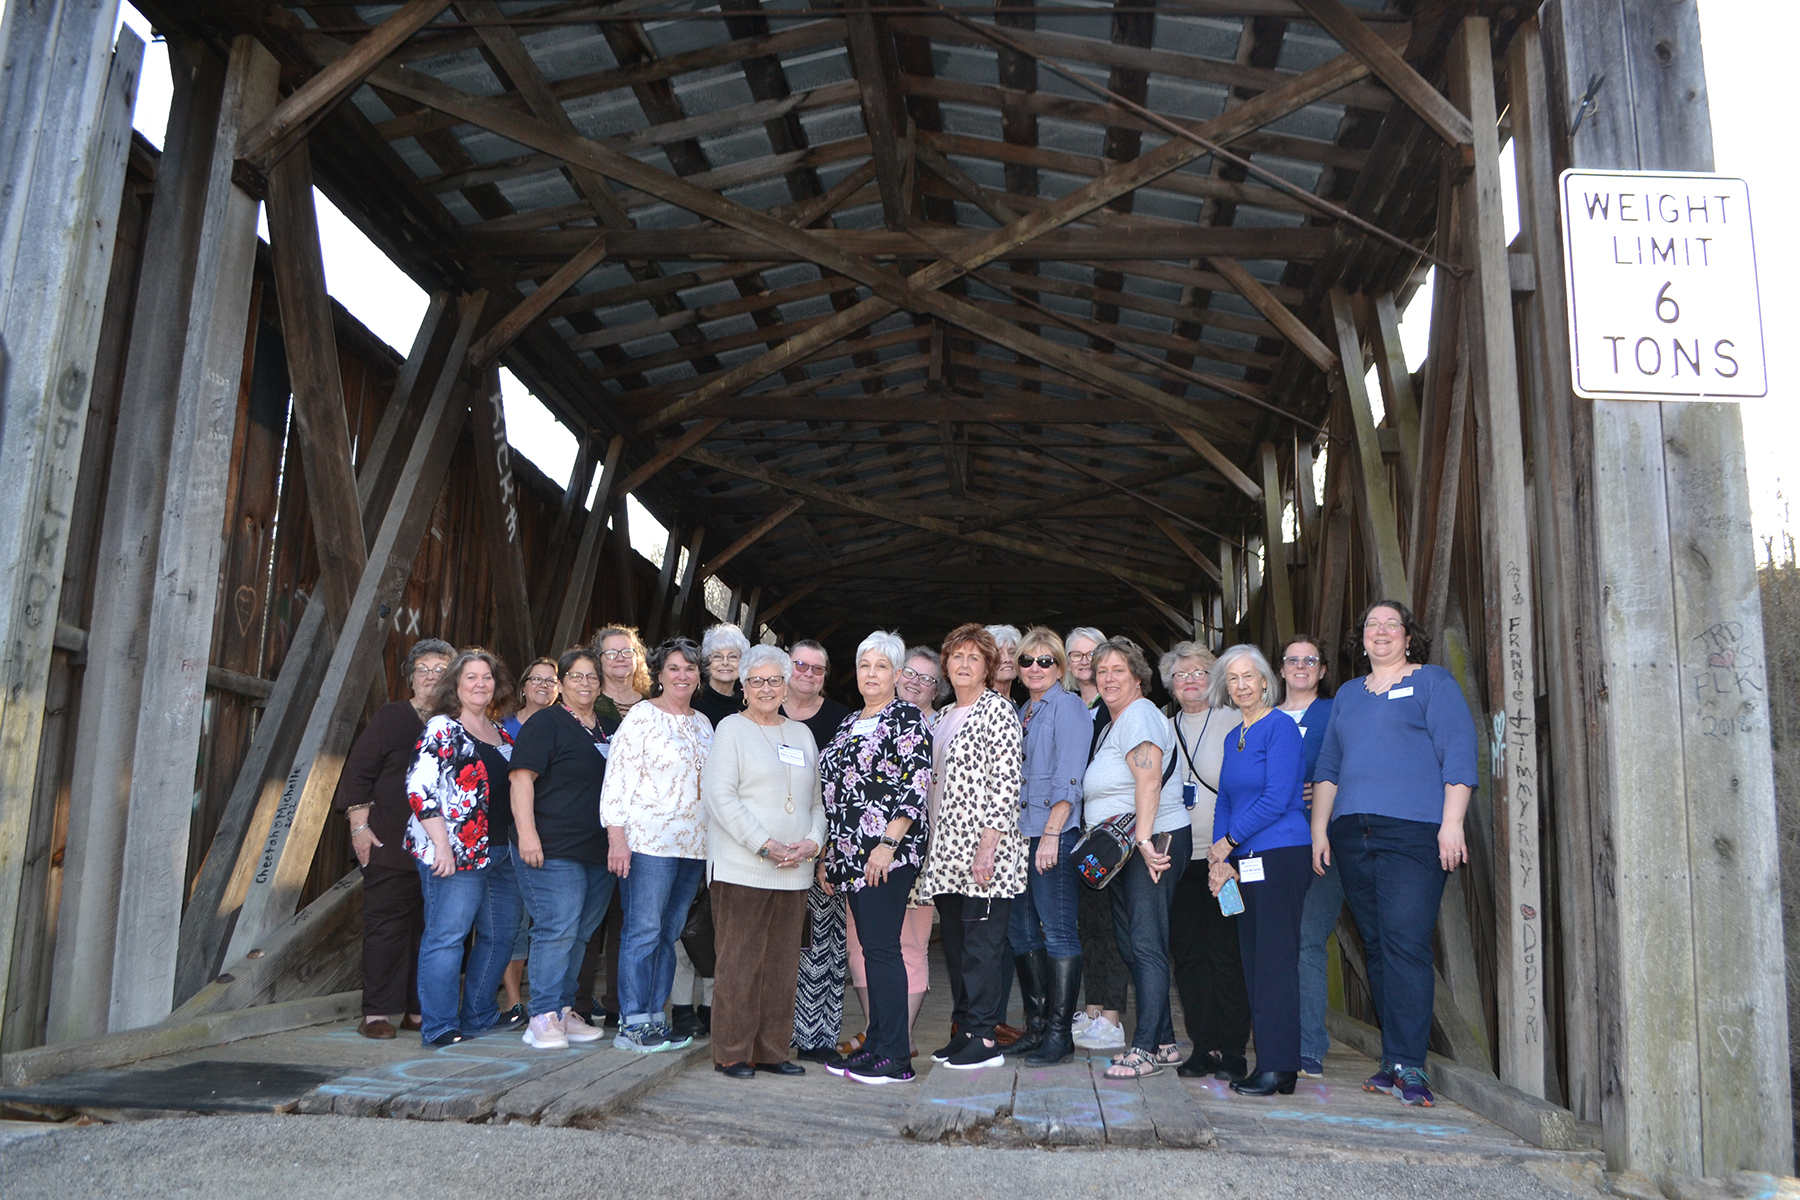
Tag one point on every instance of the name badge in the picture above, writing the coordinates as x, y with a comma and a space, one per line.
1396, 693
864, 727
1250, 869
1190, 793
505, 749
793, 756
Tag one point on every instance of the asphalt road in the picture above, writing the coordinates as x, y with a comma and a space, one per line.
278, 1158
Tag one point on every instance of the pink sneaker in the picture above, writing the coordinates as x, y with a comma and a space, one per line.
545, 1032
577, 1030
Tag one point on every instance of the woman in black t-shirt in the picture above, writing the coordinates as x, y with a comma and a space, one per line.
559, 763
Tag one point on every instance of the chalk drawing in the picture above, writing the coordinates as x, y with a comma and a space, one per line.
1284, 1114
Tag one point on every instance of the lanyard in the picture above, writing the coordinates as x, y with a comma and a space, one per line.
1193, 769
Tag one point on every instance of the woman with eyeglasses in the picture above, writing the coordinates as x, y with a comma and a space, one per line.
765, 827
1079, 678
1303, 674
1105, 978
558, 767
920, 683
371, 793
656, 838
1203, 942
722, 650
1044, 931
1390, 792
819, 1000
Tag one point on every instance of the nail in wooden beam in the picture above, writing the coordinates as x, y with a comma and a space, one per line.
580, 591
283, 859
1275, 551
1432, 106
499, 502
1280, 315
755, 535
508, 328
1381, 531
279, 132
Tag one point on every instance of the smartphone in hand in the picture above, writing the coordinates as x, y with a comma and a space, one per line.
1231, 901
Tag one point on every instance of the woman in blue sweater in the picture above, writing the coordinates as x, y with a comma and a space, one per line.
1392, 786
1261, 839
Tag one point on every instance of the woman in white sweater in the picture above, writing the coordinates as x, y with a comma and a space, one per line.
761, 790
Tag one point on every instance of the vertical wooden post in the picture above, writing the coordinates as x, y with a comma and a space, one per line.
1694, 1041
554, 560
1569, 659
750, 605
1280, 597
579, 594
494, 476
65, 131
1506, 556
625, 564
151, 884
678, 610
1374, 503
107, 720
659, 604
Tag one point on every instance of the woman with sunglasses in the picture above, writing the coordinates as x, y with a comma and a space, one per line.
1302, 669
1046, 941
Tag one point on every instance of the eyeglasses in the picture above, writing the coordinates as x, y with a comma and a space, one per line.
804, 668
763, 681
1181, 676
724, 656
583, 677
540, 681
625, 655
425, 672
1311, 660
1080, 656
1045, 661
1389, 626
917, 677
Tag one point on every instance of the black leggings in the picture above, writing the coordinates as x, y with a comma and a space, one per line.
1105, 976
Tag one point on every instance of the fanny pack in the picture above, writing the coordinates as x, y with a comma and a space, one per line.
1106, 847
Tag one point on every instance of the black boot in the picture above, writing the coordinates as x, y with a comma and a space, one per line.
1266, 1083
1065, 989
1034, 984
683, 1021
703, 1014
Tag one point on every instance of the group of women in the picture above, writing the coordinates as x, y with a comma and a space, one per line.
829, 838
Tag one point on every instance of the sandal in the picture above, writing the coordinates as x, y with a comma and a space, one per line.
1168, 1055
1135, 1063
853, 1045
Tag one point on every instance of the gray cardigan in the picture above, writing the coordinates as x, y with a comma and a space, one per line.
745, 789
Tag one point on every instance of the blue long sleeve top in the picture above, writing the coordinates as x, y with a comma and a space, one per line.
1058, 729
1312, 721
1260, 806
1392, 754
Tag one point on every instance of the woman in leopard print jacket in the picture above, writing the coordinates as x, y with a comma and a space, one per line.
976, 862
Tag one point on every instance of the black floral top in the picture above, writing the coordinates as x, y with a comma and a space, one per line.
871, 772
449, 780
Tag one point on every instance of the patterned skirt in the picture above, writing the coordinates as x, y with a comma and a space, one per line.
819, 1002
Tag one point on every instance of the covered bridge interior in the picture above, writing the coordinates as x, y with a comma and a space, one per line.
895, 315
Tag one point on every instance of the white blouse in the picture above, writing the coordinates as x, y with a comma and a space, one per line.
652, 785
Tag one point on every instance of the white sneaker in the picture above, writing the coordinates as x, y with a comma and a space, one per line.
545, 1032
577, 1030
1101, 1034
1081, 1021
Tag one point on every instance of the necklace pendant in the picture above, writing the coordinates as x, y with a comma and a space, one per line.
790, 804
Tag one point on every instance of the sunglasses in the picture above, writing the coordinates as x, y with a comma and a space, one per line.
801, 668
1045, 661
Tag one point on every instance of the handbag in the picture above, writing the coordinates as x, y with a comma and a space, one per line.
697, 935
1106, 847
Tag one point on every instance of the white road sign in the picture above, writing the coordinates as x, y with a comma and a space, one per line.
1663, 301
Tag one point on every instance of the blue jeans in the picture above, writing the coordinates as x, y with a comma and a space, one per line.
1141, 923
567, 900
656, 896
1394, 883
467, 900
1323, 903
1044, 918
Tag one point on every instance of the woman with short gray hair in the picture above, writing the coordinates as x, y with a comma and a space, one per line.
1262, 841
1006, 638
765, 827
1079, 678
371, 794
722, 653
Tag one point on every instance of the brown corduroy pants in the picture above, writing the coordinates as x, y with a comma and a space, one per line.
757, 932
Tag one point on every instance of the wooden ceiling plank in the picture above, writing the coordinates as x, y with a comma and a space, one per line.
1280, 315
1432, 106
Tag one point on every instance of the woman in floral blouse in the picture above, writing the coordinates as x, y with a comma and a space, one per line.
458, 774
876, 777
656, 838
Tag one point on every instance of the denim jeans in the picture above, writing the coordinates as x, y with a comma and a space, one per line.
1394, 883
496, 924
1324, 902
452, 907
657, 894
567, 900
1141, 923
1044, 918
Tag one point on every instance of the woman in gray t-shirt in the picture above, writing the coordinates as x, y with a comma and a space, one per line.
1130, 773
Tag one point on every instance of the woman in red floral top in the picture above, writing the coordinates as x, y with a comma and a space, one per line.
458, 782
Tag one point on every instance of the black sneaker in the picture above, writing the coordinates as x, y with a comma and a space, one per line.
512, 1019
952, 1047
819, 1054
976, 1054
842, 1063
881, 1070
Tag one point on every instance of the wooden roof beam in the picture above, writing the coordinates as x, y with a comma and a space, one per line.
1292, 327
534, 306
756, 534
1432, 106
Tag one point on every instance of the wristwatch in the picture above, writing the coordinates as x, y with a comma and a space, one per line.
890, 843
762, 852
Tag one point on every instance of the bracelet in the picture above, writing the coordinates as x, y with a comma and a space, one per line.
358, 829
356, 808
890, 843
